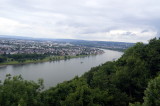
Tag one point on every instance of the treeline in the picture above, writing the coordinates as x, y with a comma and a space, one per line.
2, 59
26, 56
21, 57
133, 80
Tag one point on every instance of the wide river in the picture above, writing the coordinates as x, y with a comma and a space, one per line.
58, 71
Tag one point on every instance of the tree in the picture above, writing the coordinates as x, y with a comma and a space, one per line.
15, 91
2, 59
152, 93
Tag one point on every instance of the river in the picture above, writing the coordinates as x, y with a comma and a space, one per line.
58, 71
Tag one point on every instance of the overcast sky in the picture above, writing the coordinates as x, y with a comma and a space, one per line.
105, 20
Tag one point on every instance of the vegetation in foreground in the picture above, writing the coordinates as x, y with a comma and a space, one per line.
133, 80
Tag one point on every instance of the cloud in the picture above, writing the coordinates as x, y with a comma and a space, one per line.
8, 26
107, 20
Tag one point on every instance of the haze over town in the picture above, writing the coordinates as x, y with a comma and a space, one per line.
104, 20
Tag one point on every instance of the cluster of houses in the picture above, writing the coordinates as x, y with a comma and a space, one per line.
12, 46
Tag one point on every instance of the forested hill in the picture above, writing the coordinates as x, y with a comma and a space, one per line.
131, 80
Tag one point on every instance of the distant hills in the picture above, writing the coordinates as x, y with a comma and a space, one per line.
100, 44
14, 37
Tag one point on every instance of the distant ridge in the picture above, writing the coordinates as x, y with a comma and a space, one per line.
16, 37
57, 39
31, 38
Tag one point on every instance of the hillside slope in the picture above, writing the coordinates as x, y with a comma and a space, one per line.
115, 83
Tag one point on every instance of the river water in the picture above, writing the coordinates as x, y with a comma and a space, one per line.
58, 71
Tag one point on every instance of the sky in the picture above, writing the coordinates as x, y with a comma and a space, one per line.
98, 20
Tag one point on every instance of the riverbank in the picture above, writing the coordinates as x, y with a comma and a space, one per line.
49, 58
54, 72
115, 49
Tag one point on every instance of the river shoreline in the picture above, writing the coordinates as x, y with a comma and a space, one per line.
54, 72
41, 61
47, 59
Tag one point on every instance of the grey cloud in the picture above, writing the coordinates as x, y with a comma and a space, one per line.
129, 34
144, 31
83, 18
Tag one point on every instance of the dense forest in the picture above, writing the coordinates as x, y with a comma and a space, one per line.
132, 80
21, 57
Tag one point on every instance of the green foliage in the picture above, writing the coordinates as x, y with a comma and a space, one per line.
132, 78
2, 59
20, 57
135, 104
152, 93
15, 91
153, 56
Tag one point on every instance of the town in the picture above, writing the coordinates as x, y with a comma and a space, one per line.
23, 46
